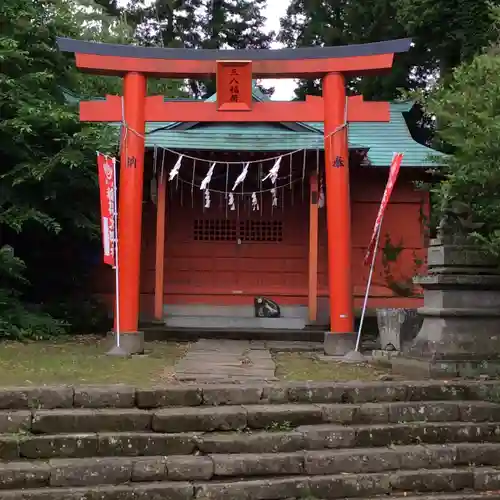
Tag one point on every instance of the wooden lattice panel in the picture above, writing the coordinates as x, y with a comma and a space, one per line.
215, 230
263, 231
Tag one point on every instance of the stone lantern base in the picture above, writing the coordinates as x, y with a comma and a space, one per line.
460, 333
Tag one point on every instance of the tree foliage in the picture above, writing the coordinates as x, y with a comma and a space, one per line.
325, 23
445, 33
449, 31
48, 190
197, 24
467, 109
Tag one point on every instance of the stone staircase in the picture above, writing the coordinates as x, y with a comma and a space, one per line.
418, 441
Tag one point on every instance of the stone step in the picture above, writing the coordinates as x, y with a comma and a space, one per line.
227, 418
318, 437
177, 491
244, 311
122, 396
308, 437
435, 484
119, 470
201, 322
352, 485
469, 495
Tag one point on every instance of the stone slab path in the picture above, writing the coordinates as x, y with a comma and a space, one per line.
209, 361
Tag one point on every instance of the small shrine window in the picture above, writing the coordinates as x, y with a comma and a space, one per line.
215, 230
261, 230
270, 231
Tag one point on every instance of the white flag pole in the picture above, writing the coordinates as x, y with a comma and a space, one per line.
368, 285
117, 282
355, 355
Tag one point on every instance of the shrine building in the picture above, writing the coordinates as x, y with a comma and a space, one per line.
217, 260
236, 198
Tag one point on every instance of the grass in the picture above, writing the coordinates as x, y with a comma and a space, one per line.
307, 367
82, 360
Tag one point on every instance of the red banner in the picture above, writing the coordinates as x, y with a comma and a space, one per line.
393, 175
106, 167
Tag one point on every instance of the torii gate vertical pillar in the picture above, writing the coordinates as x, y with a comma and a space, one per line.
341, 338
130, 211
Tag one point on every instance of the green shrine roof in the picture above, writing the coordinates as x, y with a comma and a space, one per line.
381, 139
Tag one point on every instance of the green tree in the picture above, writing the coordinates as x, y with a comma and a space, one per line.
109, 24
445, 32
232, 24
324, 23
467, 111
197, 24
449, 31
48, 195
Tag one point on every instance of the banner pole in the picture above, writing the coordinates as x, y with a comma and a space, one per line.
368, 285
355, 355
115, 242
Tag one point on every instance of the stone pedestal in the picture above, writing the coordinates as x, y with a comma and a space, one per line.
460, 333
130, 344
397, 328
339, 344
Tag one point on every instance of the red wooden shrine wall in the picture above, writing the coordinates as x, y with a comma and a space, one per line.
219, 256
214, 256
403, 239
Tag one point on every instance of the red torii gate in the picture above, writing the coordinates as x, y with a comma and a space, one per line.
234, 70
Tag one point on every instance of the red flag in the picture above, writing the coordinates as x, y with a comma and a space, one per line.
393, 175
106, 167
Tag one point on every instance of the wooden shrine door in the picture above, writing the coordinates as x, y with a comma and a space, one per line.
220, 256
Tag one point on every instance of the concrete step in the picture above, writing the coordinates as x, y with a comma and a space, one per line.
308, 437
317, 437
128, 478
251, 442
234, 418
248, 311
179, 491
29, 399
119, 470
235, 322
469, 495
352, 485
161, 332
488, 495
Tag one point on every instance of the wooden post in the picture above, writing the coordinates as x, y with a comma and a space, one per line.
130, 209
313, 249
338, 211
160, 247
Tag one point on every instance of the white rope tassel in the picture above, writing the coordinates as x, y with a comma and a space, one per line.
242, 176
175, 170
207, 198
230, 202
273, 173
321, 198
206, 181
255, 202
275, 197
